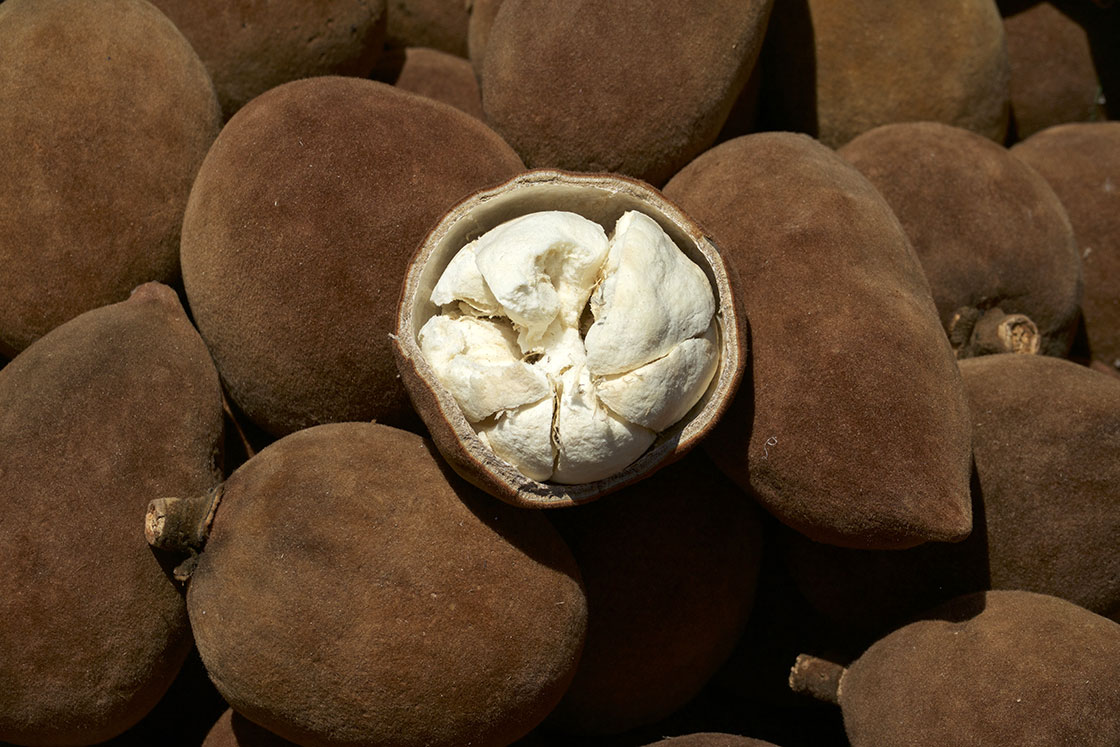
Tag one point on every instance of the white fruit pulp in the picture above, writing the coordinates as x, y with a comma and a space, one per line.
559, 398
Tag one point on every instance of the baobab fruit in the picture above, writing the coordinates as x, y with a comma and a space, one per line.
834, 70
670, 566
990, 232
106, 113
106, 412
1081, 162
552, 363
997, 667
250, 47
437, 75
436, 24
431, 613
298, 233
853, 427
1053, 77
636, 88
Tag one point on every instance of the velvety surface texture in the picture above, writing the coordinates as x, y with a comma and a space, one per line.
670, 566
438, 24
234, 730
251, 46
110, 410
638, 88
354, 592
298, 232
1053, 76
478, 31
835, 69
434, 74
1046, 512
105, 116
990, 232
851, 425
1000, 667
1081, 161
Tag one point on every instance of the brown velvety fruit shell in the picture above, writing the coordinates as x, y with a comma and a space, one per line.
989, 231
993, 668
1081, 162
1046, 512
354, 591
637, 88
299, 230
836, 69
251, 46
853, 428
602, 198
105, 116
108, 411
670, 566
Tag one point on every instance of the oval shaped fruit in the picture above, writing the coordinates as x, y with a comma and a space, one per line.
108, 411
636, 88
351, 592
1081, 162
854, 427
298, 232
670, 566
599, 201
250, 47
106, 113
998, 667
989, 231
834, 70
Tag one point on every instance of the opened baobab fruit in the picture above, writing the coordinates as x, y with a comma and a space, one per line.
569, 333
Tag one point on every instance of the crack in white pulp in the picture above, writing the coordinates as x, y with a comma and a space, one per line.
557, 404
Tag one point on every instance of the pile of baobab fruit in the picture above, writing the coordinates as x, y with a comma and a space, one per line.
406, 372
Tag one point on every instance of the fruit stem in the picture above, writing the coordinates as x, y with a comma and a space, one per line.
973, 333
181, 525
817, 677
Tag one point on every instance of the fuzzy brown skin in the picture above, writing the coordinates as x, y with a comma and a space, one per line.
298, 232
251, 46
111, 409
437, 24
1053, 78
988, 229
835, 70
1081, 162
105, 116
482, 17
670, 566
434, 74
234, 730
637, 88
422, 611
854, 429
1000, 667
1045, 511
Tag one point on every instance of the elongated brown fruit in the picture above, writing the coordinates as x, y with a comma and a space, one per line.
997, 667
106, 113
989, 231
851, 425
298, 232
354, 591
112, 409
636, 88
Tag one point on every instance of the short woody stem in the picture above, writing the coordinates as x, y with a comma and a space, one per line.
180, 524
993, 331
817, 677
